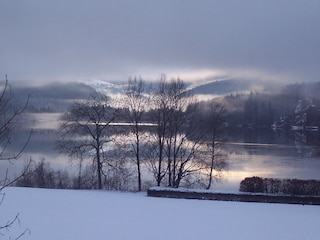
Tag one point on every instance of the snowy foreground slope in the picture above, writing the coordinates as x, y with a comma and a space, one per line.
97, 215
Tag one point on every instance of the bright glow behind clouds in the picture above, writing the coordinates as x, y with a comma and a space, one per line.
113, 40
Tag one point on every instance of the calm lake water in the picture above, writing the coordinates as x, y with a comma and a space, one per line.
263, 153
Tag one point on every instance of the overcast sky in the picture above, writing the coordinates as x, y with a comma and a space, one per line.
273, 40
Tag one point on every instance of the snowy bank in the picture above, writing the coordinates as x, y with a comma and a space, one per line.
99, 215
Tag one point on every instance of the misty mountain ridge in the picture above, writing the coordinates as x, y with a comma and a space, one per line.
57, 97
214, 87
247, 101
222, 87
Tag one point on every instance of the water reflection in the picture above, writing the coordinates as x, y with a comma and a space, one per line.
266, 153
43, 121
248, 165
261, 153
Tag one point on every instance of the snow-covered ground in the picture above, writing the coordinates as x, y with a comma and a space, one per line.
85, 214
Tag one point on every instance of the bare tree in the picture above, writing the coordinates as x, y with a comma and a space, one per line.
9, 115
160, 118
214, 117
136, 101
85, 128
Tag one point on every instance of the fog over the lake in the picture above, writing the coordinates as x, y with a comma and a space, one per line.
112, 40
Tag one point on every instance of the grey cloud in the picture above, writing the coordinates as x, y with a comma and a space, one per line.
79, 39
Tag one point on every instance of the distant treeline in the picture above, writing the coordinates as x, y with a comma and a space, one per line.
261, 109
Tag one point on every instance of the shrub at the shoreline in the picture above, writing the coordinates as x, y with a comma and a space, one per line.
294, 187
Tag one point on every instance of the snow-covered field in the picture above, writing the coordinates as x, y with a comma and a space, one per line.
95, 215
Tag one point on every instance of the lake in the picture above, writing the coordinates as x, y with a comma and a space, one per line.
266, 153
252, 152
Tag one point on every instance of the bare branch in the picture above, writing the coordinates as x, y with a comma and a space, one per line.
8, 116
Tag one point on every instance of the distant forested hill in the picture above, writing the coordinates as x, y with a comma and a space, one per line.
55, 97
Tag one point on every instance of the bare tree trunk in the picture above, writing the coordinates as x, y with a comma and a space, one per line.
212, 163
159, 175
99, 168
170, 175
138, 157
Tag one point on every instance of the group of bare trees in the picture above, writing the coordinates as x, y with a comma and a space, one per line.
175, 126
164, 130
